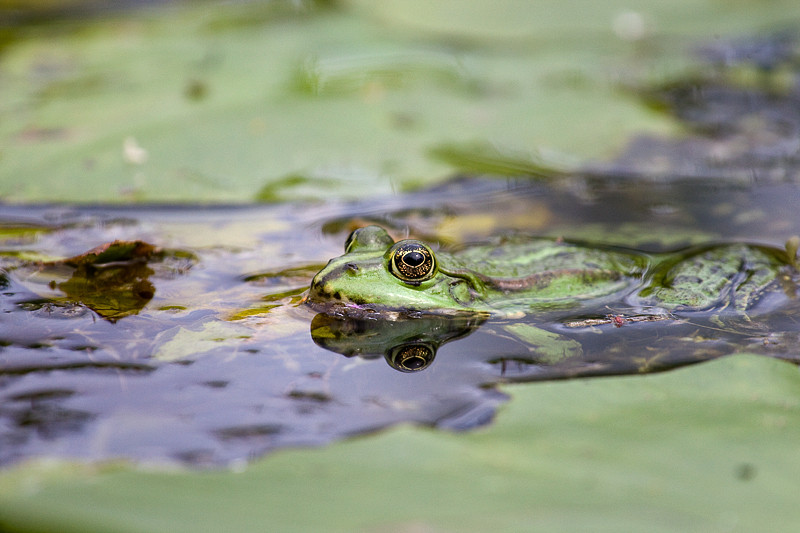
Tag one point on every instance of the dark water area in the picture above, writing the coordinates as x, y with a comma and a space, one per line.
202, 354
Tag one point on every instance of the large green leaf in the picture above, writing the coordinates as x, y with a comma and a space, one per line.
283, 100
711, 447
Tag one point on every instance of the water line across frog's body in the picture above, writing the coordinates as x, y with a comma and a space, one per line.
380, 278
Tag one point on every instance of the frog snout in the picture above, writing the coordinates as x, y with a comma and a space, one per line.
318, 287
321, 289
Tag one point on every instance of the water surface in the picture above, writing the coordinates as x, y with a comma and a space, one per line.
214, 361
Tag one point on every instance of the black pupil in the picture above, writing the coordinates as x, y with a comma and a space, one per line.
413, 259
414, 363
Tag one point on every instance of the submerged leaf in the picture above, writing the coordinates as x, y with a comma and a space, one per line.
184, 343
548, 346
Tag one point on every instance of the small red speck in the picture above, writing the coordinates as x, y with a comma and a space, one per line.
618, 320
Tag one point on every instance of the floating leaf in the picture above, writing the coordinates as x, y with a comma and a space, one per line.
113, 252
185, 343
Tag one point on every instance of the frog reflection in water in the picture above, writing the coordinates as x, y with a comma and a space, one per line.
406, 345
511, 276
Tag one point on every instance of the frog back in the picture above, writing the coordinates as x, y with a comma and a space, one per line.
545, 272
739, 277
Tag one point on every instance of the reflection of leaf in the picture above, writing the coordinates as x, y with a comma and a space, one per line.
111, 279
711, 447
112, 292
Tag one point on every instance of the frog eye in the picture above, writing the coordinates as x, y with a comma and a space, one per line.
412, 261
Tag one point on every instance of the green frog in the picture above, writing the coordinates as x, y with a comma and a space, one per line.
517, 275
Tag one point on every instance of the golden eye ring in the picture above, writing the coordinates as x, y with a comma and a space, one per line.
411, 357
412, 262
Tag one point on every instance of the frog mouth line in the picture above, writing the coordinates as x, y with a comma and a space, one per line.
374, 311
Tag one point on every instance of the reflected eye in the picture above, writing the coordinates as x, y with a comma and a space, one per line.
412, 261
411, 357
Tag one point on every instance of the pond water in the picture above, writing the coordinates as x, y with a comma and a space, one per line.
203, 354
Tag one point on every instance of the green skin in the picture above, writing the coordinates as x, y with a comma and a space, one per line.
515, 275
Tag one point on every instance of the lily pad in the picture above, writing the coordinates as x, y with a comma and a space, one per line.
301, 100
706, 448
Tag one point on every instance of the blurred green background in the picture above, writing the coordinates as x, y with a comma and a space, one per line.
242, 101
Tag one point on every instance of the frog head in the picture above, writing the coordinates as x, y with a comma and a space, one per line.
379, 277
